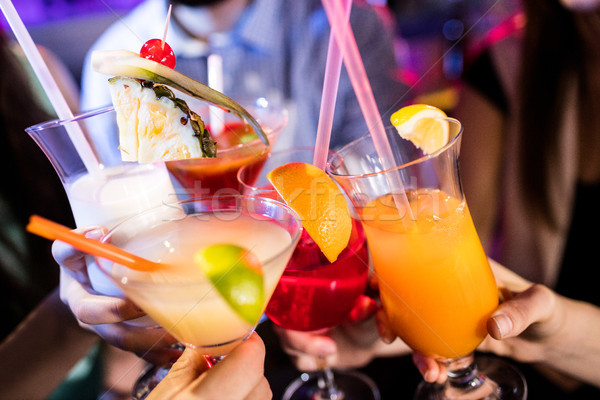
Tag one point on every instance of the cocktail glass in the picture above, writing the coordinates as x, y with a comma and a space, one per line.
435, 281
182, 298
237, 145
314, 294
114, 191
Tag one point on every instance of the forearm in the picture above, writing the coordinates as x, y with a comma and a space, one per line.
37, 356
575, 348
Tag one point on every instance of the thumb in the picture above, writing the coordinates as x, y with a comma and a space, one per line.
68, 256
188, 367
534, 305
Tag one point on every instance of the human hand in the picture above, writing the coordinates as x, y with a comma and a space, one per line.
240, 375
106, 315
520, 328
352, 344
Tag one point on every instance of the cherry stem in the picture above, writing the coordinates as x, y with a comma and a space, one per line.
164, 38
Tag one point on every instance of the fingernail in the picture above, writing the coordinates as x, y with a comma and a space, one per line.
503, 323
428, 376
425, 373
94, 233
384, 333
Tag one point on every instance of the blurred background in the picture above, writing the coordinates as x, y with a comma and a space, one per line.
434, 37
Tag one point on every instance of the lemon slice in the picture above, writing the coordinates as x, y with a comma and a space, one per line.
237, 275
424, 125
319, 202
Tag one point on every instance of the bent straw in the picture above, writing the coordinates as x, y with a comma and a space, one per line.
364, 93
51, 230
50, 86
333, 68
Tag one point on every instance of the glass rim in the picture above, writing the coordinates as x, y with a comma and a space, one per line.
61, 122
337, 153
293, 241
272, 130
272, 153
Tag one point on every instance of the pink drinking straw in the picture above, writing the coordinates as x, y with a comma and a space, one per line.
362, 88
49, 84
333, 68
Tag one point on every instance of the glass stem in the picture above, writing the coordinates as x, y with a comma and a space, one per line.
328, 389
212, 360
463, 373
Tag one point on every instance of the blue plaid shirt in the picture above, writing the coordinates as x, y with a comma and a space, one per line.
278, 50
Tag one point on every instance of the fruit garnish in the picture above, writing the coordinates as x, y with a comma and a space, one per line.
423, 125
319, 202
128, 64
159, 51
154, 125
237, 275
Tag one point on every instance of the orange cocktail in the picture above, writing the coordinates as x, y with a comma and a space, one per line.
436, 285
435, 281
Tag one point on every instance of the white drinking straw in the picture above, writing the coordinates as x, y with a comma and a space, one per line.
50, 86
164, 38
333, 68
216, 116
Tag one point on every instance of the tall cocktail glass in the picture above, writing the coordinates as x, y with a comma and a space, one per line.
114, 191
181, 297
435, 281
315, 294
237, 145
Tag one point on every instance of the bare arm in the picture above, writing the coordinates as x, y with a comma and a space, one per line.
538, 325
37, 356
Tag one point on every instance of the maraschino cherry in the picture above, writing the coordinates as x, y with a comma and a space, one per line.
159, 51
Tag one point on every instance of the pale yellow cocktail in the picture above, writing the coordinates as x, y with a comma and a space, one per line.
181, 297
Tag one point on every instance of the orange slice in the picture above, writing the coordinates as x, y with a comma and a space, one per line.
424, 125
318, 201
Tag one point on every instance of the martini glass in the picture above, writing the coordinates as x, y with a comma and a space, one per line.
435, 281
181, 297
315, 294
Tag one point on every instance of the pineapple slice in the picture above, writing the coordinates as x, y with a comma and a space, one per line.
123, 63
154, 125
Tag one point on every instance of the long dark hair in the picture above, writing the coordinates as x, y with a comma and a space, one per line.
559, 45
29, 185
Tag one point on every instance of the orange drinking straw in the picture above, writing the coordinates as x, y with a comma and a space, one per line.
51, 230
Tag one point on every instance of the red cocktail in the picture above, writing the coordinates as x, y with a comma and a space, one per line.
237, 145
316, 294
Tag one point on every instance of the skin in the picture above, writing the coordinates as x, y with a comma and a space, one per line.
533, 325
581, 5
239, 376
105, 315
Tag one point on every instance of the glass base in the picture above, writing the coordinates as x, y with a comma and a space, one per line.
148, 381
501, 381
350, 385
